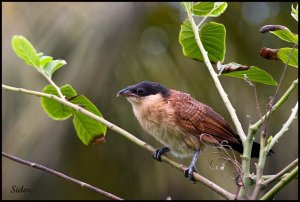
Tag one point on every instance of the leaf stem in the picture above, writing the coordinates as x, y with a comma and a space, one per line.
205, 17
53, 84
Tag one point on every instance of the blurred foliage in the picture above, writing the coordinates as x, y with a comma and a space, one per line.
109, 46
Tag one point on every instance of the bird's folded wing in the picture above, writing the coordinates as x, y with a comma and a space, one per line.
199, 119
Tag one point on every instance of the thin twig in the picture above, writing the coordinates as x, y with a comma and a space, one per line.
263, 136
265, 123
281, 184
257, 103
61, 175
266, 177
264, 150
254, 127
284, 128
129, 136
53, 84
255, 94
281, 173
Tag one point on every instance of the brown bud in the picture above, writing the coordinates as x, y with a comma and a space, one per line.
98, 140
269, 53
268, 28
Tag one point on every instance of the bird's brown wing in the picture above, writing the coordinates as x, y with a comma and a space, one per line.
198, 119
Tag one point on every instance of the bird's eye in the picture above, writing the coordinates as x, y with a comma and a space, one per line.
140, 90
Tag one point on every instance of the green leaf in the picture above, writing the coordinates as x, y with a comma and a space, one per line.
24, 49
40, 54
286, 35
254, 74
45, 60
54, 65
220, 7
212, 35
284, 54
295, 12
54, 109
88, 129
205, 8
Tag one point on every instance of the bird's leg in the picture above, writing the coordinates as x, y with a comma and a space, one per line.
192, 168
160, 152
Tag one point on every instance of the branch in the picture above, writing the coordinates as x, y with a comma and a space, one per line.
129, 136
254, 127
267, 177
260, 168
218, 84
282, 183
264, 151
281, 173
284, 128
58, 174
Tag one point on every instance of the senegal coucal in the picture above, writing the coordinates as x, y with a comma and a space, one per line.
181, 123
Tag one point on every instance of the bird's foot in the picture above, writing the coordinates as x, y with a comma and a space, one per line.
192, 168
188, 173
160, 152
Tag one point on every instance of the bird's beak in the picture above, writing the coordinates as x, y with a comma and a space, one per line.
126, 93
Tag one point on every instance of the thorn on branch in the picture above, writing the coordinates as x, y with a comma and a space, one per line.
249, 119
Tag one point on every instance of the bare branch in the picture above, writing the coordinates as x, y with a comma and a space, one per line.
284, 128
281, 173
254, 127
282, 183
61, 175
255, 94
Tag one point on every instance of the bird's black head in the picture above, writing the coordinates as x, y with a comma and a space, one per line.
143, 89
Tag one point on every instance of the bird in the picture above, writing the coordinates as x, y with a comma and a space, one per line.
181, 123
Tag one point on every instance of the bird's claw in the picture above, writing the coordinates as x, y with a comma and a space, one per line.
157, 154
188, 173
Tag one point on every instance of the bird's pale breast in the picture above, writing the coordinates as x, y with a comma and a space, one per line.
156, 116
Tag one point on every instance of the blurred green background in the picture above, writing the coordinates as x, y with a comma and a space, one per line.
109, 46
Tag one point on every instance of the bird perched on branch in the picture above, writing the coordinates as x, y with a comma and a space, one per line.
181, 123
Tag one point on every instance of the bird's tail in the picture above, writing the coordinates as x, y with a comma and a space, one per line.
255, 149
